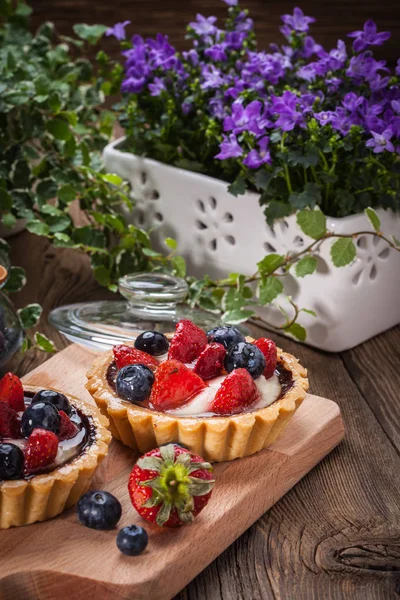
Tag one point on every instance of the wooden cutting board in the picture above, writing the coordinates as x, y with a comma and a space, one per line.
61, 558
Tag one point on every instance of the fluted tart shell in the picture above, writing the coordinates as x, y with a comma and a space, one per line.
41, 497
215, 438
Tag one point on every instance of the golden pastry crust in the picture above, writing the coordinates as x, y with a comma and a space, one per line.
214, 438
44, 496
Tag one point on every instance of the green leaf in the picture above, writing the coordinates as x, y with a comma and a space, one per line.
46, 190
5, 200
262, 179
270, 263
173, 244
150, 252
23, 10
179, 264
55, 101
308, 311
90, 33
343, 252
239, 315
30, 315
306, 159
88, 236
21, 174
43, 343
8, 220
16, 280
276, 209
233, 300
58, 223
102, 275
308, 198
62, 240
268, 289
112, 178
297, 331
26, 344
306, 266
396, 241
38, 227
373, 219
238, 186
59, 129
312, 223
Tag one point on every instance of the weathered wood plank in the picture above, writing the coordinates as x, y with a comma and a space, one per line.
336, 534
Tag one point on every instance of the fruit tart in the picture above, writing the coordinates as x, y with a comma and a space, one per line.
219, 394
50, 445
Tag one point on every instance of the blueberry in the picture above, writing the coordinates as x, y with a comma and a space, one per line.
152, 342
226, 335
99, 510
132, 540
134, 383
41, 415
245, 356
57, 398
11, 461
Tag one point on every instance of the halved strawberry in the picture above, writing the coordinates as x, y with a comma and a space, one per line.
188, 342
10, 424
40, 450
211, 360
268, 348
174, 385
12, 392
170, 485
126, 355
68, 429
235, 394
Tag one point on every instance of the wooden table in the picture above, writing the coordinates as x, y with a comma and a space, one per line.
337, 533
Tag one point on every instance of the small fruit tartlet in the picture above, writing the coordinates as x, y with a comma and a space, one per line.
50, 446
217, 393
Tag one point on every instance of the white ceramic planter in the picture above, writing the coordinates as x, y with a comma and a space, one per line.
218, 233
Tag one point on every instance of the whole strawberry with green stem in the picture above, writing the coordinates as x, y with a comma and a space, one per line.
170, 485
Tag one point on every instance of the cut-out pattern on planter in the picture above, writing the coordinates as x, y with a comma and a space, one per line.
371, 252
213, 224
145, 195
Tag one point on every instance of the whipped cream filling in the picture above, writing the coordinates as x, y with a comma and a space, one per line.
200, 404
67, 449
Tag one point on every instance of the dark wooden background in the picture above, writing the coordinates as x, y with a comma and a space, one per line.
334, 18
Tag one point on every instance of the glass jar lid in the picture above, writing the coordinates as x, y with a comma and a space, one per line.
153, 301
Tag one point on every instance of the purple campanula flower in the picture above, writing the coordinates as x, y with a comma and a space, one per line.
298, 21
256, 158
204, 26
364, 66
352, 102
229, 148
231, 2
333, 84
307, 72
243, 22
337, 57
216, 52
251, 118
161, 53
285, 106
310, 47
234, 39
378, 82
186, 107
381, 141
325, 117
192, 57
368, 37
397, 70
118, 31
395, 104
212, 78
133, 85
156, 87
217, 108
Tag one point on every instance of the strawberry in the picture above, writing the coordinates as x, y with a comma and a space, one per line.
170, 485
12, 392
235, 394
68, 429
126, 355
268, 348
188, 342
40, 450
210, 361
10, 424
174, 385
